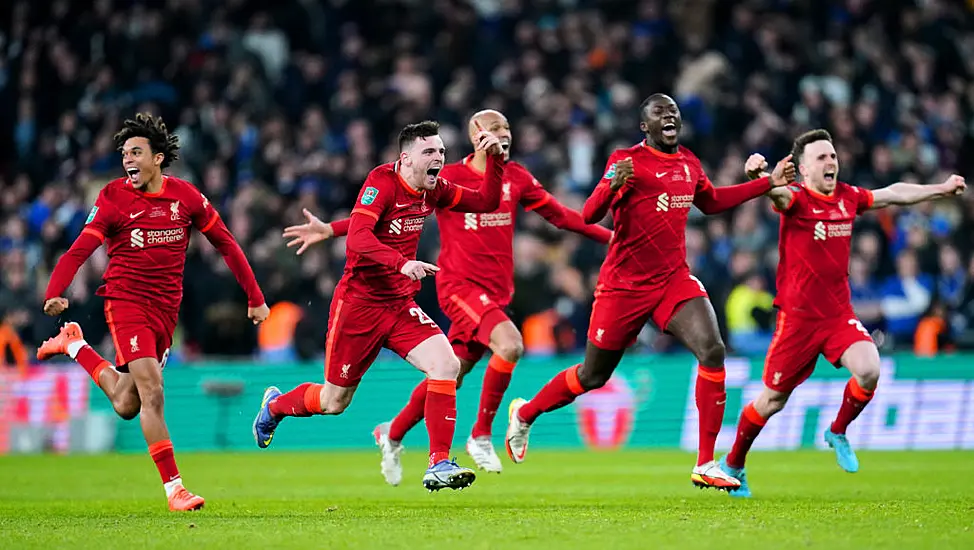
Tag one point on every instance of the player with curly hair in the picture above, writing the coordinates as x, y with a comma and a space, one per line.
144, 219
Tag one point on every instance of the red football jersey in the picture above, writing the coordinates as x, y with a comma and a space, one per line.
146, 236
815, 239
650, 215
479, 248
400, 213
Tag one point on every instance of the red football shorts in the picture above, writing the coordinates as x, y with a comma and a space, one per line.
619, 315
798, 342
139, 331
473, 316
358, 330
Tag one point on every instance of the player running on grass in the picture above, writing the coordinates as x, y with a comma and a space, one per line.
474, 285
144, 220
650, 188
373, 304
815, 314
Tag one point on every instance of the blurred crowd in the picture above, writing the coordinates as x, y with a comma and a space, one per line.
289, 104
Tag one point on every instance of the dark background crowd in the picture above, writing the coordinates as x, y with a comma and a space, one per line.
289, 104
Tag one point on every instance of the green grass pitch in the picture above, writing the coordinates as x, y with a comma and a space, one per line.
631, 499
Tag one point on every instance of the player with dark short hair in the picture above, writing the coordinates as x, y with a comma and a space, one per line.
373, 306
815, 315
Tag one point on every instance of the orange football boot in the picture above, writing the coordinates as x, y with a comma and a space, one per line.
183, 501
58, 345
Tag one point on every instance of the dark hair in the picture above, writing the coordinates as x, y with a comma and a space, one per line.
153, 129
412, 132
655, 97
802, 141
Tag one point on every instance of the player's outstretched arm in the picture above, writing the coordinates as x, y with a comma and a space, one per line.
757, 167
485, 199
902, 194
221, 239
562, 217
714, 200
67, 267
314, 231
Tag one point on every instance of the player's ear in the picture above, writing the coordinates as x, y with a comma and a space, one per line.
642, 127
404, 159
158, 158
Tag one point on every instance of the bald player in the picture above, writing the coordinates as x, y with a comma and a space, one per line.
474, 285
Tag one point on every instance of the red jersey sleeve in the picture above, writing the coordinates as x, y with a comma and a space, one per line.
451, 196
201, 211
374, 199
597, 205
376, 195
797, 195
865, 197
533, 195
102, 221
340, 227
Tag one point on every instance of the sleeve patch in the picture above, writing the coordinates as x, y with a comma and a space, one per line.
91, 215
369, 196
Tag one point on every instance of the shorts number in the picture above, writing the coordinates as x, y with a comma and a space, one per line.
424, 319
696, 280
858, 325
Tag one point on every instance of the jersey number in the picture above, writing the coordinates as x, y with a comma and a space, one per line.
424, 319
856, 323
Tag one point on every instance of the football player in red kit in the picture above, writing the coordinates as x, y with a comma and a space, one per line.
144, 220
373, 306
815, 315
650, 188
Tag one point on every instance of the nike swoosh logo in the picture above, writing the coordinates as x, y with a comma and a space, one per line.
137, 214
268, 440
402, 205
722, 402
817, 211
660, 174
450, 419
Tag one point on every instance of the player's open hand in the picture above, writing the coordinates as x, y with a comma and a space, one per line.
258, 314
755, 165
955, 185
309, 233
623, 174
55, 306
416, 270
784, 173
487, 141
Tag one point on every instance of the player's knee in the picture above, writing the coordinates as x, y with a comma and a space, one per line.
152, 398
465, 368
445, 368
712, 353
511, 349
770, 403
126, 407
868, 376
592, 379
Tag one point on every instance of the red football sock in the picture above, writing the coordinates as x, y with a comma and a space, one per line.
747, 429
411, 414
496, 380
93, 363
854, 400
304, 400
711, 398
441, 417
162, 455
558, 392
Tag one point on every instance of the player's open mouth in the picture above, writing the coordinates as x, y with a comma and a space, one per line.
133, 173
669, 130
506, 145
829, 175
431, 174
